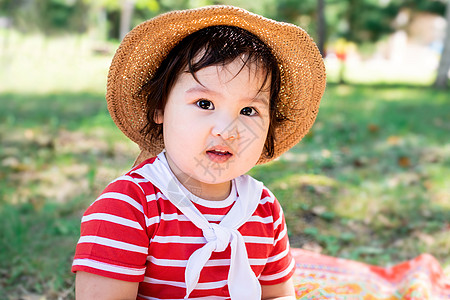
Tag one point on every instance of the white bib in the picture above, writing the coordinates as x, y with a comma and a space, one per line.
242, 282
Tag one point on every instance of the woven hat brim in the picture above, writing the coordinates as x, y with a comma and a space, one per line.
145, 47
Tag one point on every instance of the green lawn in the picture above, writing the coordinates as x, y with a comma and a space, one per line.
370, 181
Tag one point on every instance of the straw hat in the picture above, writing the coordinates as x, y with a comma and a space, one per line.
145, 47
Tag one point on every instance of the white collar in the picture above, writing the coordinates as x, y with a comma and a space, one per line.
201, 201
242, 282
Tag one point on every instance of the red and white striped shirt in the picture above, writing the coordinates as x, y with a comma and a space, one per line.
133, 233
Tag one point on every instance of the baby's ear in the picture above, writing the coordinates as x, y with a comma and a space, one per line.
158, 117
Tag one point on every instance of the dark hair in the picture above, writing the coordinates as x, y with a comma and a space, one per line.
218, 45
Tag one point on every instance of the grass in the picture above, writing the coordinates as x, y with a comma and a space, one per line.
32, 257
369, 182
57, 153
39, 65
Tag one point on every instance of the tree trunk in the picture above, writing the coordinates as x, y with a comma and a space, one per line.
444, 64
126, 17
353, 13
321, 26
98, 23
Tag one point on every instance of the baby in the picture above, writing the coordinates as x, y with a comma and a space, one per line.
207, 94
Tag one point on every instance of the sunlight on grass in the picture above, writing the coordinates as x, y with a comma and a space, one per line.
37, 64
388, 162
380, 71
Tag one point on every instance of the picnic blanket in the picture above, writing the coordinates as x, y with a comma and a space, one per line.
319, 276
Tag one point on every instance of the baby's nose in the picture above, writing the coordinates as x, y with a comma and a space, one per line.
226, 134
226, 129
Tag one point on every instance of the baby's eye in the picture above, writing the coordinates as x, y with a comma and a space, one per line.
205, 104
248, 111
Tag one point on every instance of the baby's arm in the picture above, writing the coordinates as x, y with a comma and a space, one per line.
281, 291
95, 287
112, 251
90, 286
275, 284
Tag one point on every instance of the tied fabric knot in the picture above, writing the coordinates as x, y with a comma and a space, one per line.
242, 282
219, 235
218, 238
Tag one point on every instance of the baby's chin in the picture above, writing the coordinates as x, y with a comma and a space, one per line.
208, 173
218, 177
213, 179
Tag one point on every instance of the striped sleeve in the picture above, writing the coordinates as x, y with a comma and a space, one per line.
280, 264
114, 235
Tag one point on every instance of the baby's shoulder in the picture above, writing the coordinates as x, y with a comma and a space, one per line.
132, 184
132, 192
267, 195
267, 198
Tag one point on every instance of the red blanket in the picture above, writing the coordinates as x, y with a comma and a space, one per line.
323, 277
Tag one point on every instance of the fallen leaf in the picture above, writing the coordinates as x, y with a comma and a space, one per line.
428, 184
385, 221
393, 140
318, 210
404, 161
425, 238
373, 128
360, 161
29, 134
11, 162
313, 247
326, 153
345, 150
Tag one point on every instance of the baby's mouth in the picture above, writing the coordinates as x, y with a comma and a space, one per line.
219, 155
219, 152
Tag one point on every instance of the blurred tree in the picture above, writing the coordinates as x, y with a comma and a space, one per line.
321, 26
302, 13
444, 65
368, 20
115, 18
127, 11
362, 20
356, 20
126, 15
6, 7
49, 16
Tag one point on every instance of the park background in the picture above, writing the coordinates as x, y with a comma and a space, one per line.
370, 182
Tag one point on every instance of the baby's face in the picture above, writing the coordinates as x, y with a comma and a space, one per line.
215, 130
